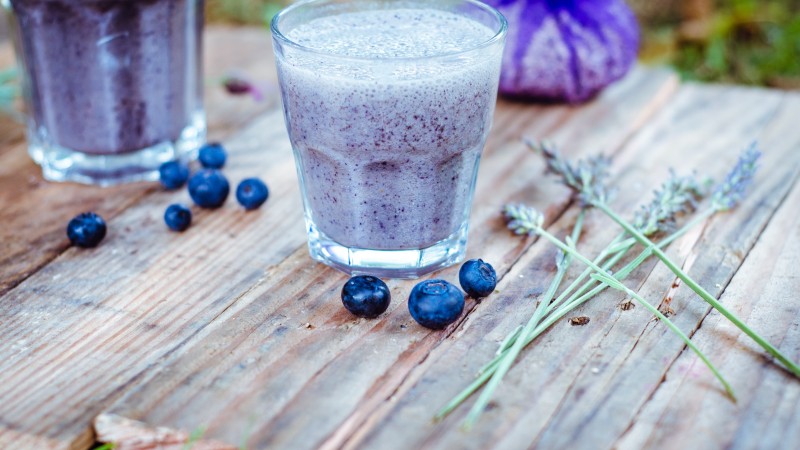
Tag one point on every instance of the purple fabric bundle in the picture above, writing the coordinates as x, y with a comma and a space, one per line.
565, 50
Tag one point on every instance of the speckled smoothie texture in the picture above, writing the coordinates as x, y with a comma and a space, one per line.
111, 76
388, 148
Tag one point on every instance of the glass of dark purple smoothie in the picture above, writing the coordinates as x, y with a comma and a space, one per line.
112, 88
388, 105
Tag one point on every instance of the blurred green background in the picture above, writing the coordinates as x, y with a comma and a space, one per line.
753, 42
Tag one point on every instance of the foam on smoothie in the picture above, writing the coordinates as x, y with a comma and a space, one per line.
388, 148
398, 33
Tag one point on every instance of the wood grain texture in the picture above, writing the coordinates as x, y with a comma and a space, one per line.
34, 212
683, 412
230, 328
287, 348
90, 322
581, 387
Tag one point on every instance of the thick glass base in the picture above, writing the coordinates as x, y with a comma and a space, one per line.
412, 263
63, 164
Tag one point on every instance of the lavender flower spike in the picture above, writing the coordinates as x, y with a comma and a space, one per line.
587, 178
678, 195
523, 219
733, 189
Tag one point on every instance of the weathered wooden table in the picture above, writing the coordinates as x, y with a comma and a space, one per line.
231, 329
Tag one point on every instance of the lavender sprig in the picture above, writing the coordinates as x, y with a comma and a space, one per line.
522, 219
677, 196
728, 195
602, 275
733, 189
587, 178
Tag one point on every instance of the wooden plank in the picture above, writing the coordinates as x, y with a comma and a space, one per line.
626, 380
287, 339
684, 412
103, 316
35, 212
579, 387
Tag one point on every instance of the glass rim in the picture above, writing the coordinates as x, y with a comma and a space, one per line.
284, 40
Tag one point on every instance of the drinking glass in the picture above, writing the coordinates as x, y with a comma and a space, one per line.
387, 146
112, 88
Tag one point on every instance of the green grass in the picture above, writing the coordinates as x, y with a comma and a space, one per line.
754, 42
243, 12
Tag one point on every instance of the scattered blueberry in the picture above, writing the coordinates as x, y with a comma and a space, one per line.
435, 304
173, 174
237, 85
252, 193
212, 156
209, 188
178, 217
86, 230
366, 296
477, 278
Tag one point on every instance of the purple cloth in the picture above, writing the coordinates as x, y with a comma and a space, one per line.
565, 50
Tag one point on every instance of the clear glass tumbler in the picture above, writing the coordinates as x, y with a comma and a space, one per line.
388, 105
112, 88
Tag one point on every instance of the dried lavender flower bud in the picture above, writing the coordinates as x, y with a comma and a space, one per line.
677, 195
587, 178
523, 219
732, 190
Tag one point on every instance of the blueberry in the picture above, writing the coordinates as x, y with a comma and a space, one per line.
477, 278
209, 188
212, 156
173, 174
366, 296
178, 217
237, 86
435, 304
252, 193
86, 230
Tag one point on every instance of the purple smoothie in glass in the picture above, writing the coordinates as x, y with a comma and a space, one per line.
109, 77
388, 155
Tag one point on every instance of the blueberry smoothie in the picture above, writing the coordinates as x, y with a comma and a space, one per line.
387, 128
110, 77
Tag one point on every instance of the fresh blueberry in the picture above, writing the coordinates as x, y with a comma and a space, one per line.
237, 85
435, 304
477, 278
209, 188
212, 156
252, 193
86, 230
366, 296
178, 217
173, 174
